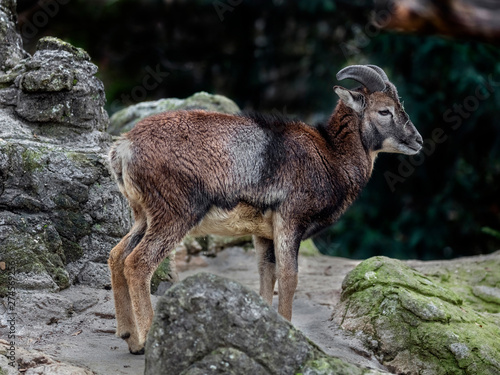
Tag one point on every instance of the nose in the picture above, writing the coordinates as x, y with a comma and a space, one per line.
419, 139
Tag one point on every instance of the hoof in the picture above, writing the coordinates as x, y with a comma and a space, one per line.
137, 352
125, 335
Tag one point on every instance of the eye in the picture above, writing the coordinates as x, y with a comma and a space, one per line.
384, 112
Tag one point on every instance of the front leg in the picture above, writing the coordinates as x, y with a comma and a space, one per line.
286, 244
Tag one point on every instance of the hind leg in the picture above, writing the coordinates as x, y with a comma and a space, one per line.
125, 320
162, 235
267, 267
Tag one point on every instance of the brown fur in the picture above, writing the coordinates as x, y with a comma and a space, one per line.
209, 173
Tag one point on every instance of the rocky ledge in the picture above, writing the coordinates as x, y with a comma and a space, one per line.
61, 211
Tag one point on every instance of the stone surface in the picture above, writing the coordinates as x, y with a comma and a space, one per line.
61, 208
58, 86
124, 120
212, 325
82, 323
11, 45
32, 362
476, 280
61, 212
429, 323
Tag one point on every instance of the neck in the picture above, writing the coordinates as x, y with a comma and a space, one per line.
344, 133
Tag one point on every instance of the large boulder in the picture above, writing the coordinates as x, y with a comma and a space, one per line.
445, 321
124, 120
61, 211
211, 325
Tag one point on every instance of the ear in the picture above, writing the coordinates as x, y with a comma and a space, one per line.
352, 99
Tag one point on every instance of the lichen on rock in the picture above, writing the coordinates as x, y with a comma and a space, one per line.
416, 323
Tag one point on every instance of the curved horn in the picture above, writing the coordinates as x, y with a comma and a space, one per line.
364, 75
380, 71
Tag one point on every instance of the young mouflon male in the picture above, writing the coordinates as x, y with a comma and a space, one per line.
280, 180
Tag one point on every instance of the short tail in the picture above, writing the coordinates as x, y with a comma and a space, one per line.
120, 158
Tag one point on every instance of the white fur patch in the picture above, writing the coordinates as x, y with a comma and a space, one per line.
392, 145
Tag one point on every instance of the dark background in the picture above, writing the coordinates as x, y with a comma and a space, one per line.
282, 56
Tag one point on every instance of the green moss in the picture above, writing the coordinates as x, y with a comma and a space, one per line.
391, 272
4, 277
308, 248
467, 279
79, 158
72, 225
418, 317
210, 102
328, 366
162, 273
38, 253
61, 277
32, 160
72, 250
52, 43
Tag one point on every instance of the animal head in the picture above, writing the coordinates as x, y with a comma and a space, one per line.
385, 126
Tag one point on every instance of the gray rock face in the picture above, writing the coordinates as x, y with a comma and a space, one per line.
77, 97
60, 208
212, 325
11, 45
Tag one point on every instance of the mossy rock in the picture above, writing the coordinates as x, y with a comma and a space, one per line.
416, 323
56, 44
124, 120
476, 280
162, 273
323, 365
214, 325
308, 248
32, 254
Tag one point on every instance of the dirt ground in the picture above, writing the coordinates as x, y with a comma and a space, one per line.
77, 325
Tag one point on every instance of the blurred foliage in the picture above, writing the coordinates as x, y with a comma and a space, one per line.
282, 56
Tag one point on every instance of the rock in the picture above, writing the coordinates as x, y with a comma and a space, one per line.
11, 44
165, 274
60, 207
124, 120
308, 248
32, 362
76, 96
96, 275
212, 325
475, 279
418, 323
